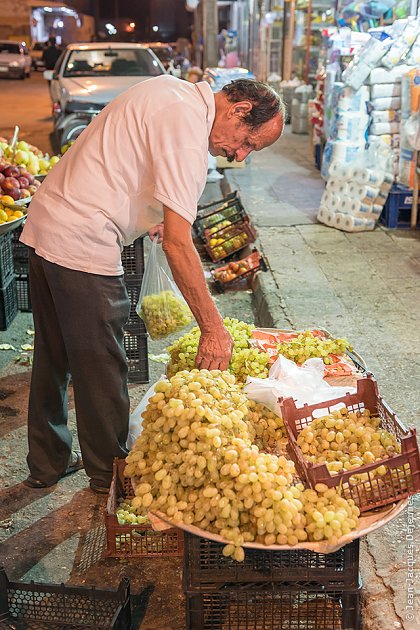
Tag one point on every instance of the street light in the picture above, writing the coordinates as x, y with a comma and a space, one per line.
155, 28
132, 25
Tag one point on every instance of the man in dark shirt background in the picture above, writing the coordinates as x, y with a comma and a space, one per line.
51, 54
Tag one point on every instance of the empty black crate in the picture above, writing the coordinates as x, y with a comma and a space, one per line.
204, 565
20, 252
6, 259
23, 293
132, 259
34, 606
274, 607
135, 344
8, 304
133, 290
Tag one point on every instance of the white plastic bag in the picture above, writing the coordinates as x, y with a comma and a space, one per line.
286, 379
161, 305
136, 421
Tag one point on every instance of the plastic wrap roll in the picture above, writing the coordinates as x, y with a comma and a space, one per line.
357, 208
325, 216
355, 224
376, 210
338, 220
367, 176
337, 187
337, 169
346, 151
366, 194
380, 199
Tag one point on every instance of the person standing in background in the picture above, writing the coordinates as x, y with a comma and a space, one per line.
51, 54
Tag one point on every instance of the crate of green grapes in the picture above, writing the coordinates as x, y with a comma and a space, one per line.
128, 533
355, 443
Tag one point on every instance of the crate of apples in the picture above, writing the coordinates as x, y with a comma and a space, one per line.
238, 270
229, 239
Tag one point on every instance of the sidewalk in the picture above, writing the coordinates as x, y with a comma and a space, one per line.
365, 286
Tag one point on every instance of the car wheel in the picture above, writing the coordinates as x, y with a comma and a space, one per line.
73, 131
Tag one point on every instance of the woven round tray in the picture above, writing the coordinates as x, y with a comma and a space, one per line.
368, 523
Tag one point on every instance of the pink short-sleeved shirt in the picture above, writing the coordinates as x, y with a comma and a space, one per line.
146, 149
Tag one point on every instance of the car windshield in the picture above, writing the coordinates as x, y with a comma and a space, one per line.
112, 62
164, 54
9, 48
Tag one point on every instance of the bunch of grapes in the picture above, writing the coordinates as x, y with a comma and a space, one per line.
346, 440
307, 346
127, 514
196, 462
164, 313
246, 361
270, 433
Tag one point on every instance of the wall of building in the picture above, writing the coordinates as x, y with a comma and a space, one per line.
14, 19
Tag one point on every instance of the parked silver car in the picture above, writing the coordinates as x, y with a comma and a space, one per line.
88, 76
15, 61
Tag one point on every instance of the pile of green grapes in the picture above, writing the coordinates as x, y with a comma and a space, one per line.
307, 346
164, 314
196, 461
346, 440
128, 514
270, 433
246, 361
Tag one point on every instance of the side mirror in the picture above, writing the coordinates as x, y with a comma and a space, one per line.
49, 75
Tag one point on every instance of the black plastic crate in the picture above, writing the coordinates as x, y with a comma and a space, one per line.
210, 215
135, 344
23, 293
133, 290
205, 565
20, 252
8, 304
33, 606
274, 607
132, 259
6, 259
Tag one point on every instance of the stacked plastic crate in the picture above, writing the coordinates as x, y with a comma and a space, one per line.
21, 265
292, 590
8, 297
135, 336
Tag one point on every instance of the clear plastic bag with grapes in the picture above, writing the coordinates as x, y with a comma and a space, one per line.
161, 305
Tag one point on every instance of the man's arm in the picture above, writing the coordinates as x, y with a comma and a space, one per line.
215, 348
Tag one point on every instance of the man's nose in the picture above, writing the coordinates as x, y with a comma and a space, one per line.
241, 154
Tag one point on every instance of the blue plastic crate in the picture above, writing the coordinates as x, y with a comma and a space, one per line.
397, 209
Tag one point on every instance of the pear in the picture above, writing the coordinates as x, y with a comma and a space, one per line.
33, 165
21, 157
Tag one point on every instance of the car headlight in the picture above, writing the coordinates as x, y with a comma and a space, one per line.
13, 64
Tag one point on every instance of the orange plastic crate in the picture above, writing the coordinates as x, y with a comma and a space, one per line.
124, 541
402, 478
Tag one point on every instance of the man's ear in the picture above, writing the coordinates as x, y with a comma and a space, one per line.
240, 109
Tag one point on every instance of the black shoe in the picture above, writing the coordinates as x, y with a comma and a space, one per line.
98, 488
30, 482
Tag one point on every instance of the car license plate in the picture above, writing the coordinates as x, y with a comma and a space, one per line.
3, 69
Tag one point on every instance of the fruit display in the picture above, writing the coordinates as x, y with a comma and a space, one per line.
346, 440
16, 183
196, 461
229, 239
10, 213
26, 155
164, 314
246, 361
238, 270
218, 214
128, 514
307, 345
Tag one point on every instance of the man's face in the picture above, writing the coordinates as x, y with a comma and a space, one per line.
233, 139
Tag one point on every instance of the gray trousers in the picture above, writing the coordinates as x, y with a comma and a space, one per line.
79, 319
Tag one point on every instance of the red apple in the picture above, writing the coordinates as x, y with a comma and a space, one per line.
23, 181
11, 171
14, 193
2, 178
32, 189
9, 183
24, 193
25, 173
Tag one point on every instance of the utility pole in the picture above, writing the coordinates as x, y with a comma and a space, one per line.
210, 31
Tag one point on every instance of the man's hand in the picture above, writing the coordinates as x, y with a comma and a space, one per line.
214, 350
156, 232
